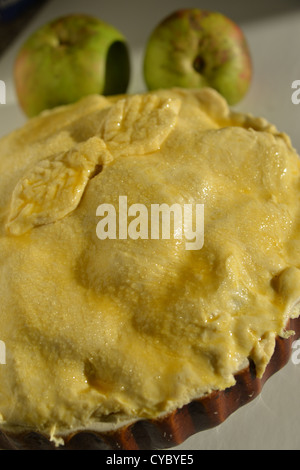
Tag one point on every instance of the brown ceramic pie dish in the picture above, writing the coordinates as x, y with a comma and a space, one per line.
176, 427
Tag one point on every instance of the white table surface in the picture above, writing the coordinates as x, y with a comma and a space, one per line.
272, 421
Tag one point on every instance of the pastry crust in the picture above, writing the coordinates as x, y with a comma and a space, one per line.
120, 333
174, 428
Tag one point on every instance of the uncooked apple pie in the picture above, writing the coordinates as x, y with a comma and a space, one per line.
111, 323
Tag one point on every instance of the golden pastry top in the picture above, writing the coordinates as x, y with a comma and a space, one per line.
97, 331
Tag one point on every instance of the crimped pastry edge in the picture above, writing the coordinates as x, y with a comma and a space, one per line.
172, 429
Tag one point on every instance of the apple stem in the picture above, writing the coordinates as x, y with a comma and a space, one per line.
199, 64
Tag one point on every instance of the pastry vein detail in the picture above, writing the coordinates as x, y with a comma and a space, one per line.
53, 187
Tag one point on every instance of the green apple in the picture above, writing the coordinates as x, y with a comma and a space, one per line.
68, 58
195, 48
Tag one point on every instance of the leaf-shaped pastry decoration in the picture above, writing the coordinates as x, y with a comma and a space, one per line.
53, 187
139, 124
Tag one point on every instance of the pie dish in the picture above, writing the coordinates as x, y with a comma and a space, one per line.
118, 339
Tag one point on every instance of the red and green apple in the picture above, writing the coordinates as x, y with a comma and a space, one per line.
68, 58
194, 48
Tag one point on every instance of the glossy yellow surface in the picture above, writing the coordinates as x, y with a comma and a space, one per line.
104, 330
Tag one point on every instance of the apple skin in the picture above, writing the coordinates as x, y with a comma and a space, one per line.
69, 58
195, 48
